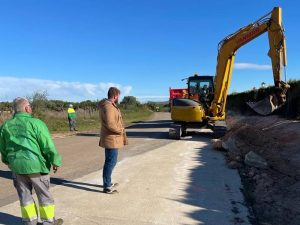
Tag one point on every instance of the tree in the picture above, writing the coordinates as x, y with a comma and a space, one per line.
130, 102
56, 105
38, 102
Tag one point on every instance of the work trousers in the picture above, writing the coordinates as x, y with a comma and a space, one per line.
72, 124
41, 184
111, 158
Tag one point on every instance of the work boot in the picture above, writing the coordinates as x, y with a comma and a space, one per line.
58, 222
110, 191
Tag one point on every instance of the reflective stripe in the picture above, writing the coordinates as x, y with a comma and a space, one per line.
29, 211
47, 212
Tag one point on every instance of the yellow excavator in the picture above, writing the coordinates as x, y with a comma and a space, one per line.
206, 102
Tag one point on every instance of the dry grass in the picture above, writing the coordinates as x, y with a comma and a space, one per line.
57, 122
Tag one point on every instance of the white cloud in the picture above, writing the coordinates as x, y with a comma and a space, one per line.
12, 87
251, 66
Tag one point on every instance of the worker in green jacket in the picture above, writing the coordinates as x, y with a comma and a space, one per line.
72, 118
28, 150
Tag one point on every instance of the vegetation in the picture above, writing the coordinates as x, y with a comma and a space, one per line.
130, 103
53, 112
158, 106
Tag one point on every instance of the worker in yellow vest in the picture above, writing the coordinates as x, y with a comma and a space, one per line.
72, 118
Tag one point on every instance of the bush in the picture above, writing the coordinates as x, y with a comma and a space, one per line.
130, 103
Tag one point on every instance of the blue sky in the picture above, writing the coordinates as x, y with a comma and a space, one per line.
76, 49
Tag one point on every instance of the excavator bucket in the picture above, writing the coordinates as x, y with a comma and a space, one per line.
272, 102
263, 107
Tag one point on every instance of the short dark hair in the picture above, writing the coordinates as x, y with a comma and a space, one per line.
112, 92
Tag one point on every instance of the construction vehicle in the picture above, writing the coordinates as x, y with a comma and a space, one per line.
207, 95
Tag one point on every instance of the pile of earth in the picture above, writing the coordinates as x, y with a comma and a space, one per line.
266, 151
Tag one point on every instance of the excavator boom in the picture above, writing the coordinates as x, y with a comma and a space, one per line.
271, 23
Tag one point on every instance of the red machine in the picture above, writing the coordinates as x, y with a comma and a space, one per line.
177, 93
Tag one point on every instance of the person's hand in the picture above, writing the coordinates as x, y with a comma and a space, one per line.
55, 168
125, 140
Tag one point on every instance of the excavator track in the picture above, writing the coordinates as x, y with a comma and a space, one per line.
175, 131
219, 129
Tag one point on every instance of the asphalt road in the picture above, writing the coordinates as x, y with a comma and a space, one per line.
82, 155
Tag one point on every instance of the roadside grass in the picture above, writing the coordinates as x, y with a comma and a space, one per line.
135, 116
59, 123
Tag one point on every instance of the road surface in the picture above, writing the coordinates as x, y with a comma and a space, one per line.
162, 181
82, 155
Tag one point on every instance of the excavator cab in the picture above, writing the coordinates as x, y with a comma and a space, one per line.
201, 88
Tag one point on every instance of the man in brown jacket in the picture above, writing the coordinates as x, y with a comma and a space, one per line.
112, 137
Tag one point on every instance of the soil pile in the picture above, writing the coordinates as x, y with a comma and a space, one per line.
273, 188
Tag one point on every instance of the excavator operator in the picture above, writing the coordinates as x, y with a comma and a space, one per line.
204, 93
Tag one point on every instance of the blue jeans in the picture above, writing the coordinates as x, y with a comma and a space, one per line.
111, 158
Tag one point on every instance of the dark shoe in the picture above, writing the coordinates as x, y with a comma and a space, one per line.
110, 191
58, 222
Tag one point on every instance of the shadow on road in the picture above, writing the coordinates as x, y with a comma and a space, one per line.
135, 134
153, 121
148, 134
151, 124
88, 134
208, 190
74, 184
6, 174
155, 134
198, 194
7, 219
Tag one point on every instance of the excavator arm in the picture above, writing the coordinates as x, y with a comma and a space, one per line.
271, 23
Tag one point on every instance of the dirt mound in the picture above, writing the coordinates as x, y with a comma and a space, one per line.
273, 191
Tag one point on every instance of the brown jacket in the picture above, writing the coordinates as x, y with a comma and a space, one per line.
112, 134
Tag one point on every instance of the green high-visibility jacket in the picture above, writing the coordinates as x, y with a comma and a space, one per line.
71, 113
26, 145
